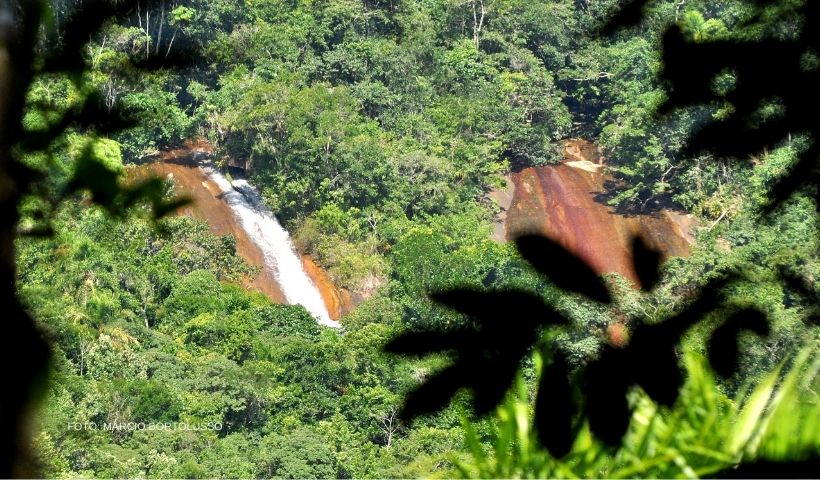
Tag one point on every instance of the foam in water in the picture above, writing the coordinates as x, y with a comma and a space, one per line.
274, 241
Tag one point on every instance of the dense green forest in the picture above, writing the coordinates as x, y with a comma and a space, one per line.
374, 130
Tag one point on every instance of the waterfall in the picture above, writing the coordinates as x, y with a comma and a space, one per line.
274, 241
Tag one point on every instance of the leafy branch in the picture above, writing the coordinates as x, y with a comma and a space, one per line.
488, 354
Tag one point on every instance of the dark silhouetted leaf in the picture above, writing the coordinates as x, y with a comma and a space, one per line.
162, 208
35, 232
91, 114
83, 22
798, 468
435, 393
24, 53
425, 343
803, 288
691, 67
180, 57
24, 174
501, 308
607, 409
630, 14
555, 409
562, 267
647, 263
90, 174
651, 353
657, 371
649, 361
505, 325
723, 344
802, 174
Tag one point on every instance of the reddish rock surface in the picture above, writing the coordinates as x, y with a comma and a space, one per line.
208, 206
338, 301
559, 201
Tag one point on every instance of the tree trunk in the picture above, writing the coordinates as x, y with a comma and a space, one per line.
159, 33
171, 43
25, 356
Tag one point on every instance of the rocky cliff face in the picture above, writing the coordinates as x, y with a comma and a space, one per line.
209, 205
559, 201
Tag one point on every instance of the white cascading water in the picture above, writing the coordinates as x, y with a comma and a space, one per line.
274, 241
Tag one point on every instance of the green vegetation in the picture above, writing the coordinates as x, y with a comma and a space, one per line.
374, 130
148, 328
704, 433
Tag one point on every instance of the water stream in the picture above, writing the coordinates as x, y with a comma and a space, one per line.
273, 241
